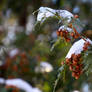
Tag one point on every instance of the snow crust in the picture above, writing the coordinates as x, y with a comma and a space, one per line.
77, 47
63, 27
45, 12
19, 83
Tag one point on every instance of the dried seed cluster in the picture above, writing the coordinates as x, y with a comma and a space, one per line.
18, 64
75, 65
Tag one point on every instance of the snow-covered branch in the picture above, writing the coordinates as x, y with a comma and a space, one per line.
77, 47
19, 83
45, 12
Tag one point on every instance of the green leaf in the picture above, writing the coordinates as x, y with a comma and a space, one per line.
87, 62
61, 69
55, 44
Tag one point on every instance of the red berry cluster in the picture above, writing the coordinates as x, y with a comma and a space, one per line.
74, 34
75, 65
86, 44
18, 64
65, 34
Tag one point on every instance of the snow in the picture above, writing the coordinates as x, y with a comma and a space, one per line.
54, 35
76, 9
45, 12
76, 91
19, 83
86, 88
65, 14
13, 52
2, 81
63, 27
30, 24
10, 26
44, 67
77, 47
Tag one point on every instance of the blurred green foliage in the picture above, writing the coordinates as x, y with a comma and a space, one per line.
38, 50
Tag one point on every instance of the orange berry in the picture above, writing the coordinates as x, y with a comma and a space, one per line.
81, 65
70, 25
76, 77
58, 33
73, 55
25, 69
15, 68
79, 55
75, 58
77, 67
72, 34
75, 36
67, 60
74, 62
85, 48
66, 32
61, 34
11, 77
23, 55
76, 16
73, 74
68, 40
71, 68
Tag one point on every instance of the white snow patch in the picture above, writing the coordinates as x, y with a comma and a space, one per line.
19, 83
77, 47
2, 81
45, 12
65, 14
13, 52
76, 9
44, 67
63, 27
30, 24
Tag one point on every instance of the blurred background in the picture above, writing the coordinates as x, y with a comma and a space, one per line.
25, 48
